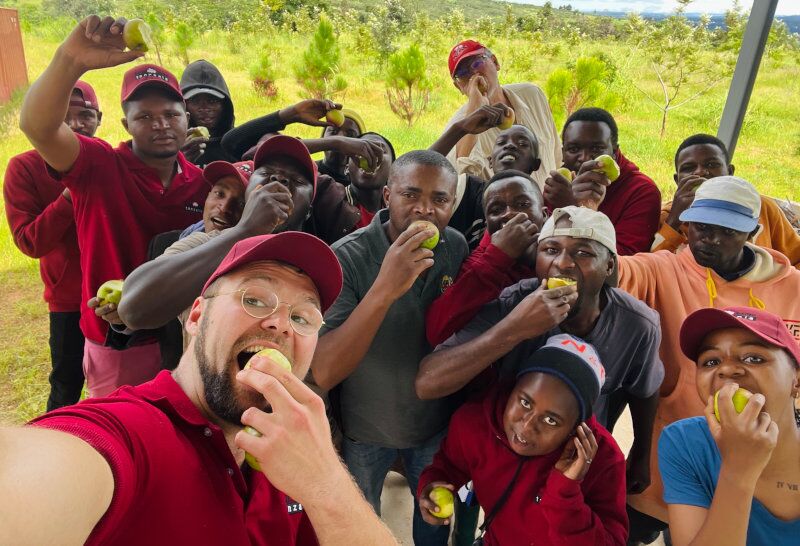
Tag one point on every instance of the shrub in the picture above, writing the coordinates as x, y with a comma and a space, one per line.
263, 75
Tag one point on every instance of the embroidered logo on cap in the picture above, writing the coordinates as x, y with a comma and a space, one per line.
745, 316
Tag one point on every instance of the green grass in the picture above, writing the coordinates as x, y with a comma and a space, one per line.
767, 153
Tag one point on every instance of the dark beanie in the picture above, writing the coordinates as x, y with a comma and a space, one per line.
573, 361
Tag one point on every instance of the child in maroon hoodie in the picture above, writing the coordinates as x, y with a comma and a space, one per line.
542, 468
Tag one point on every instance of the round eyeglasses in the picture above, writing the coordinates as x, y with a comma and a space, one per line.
305, 318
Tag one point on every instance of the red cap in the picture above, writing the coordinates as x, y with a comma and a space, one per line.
87, 94
217, 170
302, 250
149, 74
765, 325
462, 50
282, 145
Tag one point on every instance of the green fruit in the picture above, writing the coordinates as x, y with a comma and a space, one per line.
608, 167
740, 398
252, 461
566, 173
110, 292
507, 121
200, 131
136, 35
336, 117
555, 282
431, 242
443, 498
277, 357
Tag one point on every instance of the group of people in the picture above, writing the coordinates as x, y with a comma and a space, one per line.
493, 362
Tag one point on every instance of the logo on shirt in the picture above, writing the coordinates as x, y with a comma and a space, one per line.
447, 282
194, 206
292, 506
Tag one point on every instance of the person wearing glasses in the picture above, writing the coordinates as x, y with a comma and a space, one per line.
474, 70
164, 462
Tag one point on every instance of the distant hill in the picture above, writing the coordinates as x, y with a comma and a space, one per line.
717, 20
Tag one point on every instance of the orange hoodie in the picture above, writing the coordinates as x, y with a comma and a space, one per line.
776, 232
675, 285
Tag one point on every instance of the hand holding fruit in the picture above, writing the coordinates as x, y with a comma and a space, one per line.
516, 236
684, 196
195, 144
540, 311
484, 118
751, 427
98, 43
405, 260
266, 208
578, 454
437, 503
308, 111
369, 151
557, 190
107, 300
589, 186
477, 90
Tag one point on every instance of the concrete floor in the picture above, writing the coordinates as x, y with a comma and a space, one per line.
396, 502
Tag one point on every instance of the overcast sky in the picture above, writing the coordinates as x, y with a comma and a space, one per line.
785, 7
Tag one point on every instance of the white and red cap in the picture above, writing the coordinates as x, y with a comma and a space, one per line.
463, 50
286, 146
216, 170
149, 75
302, 250
88, 96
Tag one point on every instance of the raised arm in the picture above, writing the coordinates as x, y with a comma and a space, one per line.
54, 487
159, 290
482, 119
94, 43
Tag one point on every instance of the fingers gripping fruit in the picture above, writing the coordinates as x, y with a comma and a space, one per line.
508, 120
566, 173
431, 242
201, 132
608, 167
279, 358
336, 117
740, 398
443, 498
110, 292
555, 282
136, 35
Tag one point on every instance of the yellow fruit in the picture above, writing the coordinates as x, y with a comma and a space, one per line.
482, 88
201, 132
431, 242
252, 461
507, 121
740, 398
336, 117
136, 35
566, 173
555, 282
608, 167
274, 355
110, 292
443, 498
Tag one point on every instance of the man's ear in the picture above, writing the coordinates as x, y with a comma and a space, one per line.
386, 192
731, 168
675, 178
457, 87
99, 118
496, 62
125, 124
192, 324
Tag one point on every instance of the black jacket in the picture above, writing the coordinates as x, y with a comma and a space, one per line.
204, 74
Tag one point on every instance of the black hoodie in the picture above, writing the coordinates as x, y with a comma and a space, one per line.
204, 74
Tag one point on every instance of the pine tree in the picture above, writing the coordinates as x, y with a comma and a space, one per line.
319, 71
408, 87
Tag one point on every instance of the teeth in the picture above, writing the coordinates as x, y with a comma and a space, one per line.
508, 157
255, 348
520, 440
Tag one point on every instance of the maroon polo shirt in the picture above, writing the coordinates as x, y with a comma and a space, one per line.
175, 478
120, 204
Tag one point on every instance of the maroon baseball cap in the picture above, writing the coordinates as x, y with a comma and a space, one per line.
88, 96
463, 50
764, 324
302, 250
217, 170
282, 145
150, 75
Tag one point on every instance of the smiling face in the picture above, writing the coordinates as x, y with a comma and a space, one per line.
541, 413
515, 149
420, 192
717, 247
225, 336
204, 110
224, 204
583, 260
157, 124
736, 355
505, 198
292, 175
584, 141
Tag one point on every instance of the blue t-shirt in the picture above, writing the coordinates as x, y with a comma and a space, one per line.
689, 461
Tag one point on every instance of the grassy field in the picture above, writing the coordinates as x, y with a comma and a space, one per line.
767, 154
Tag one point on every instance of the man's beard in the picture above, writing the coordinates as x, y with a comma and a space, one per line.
218, 388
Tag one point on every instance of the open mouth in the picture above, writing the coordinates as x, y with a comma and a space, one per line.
244, 356
519, 440
507, 158
219, 223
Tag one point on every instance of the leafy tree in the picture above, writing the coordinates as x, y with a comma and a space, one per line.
586, 83
77, 9
319, 71
408, 87
156, 33
263, 74
184, 38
